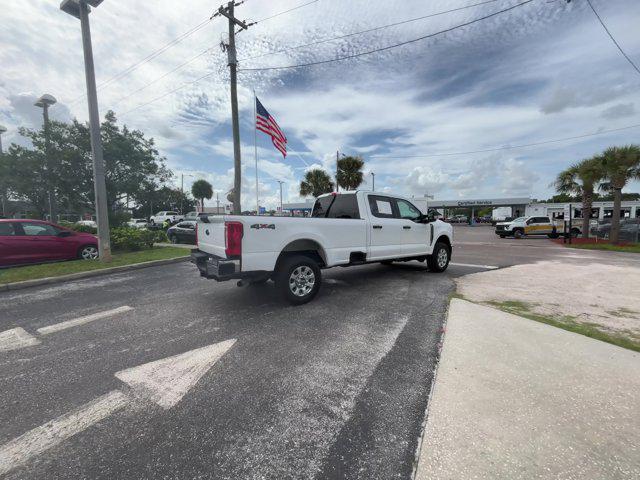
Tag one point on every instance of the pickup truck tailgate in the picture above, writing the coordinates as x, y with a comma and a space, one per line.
211, 236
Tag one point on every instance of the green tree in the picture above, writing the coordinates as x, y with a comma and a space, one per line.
155, 199
315, 183
350, 175
620, 165
200, 190
582, 179
131, 163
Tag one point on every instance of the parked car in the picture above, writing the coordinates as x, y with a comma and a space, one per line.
532, 226
183, 232
349, 228
36, 241
193, 216
160, 217
138, 223
87, 223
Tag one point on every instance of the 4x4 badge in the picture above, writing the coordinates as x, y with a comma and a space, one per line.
258, 226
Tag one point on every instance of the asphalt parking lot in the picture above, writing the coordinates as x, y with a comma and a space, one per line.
334, 389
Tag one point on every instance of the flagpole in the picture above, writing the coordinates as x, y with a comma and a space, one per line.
255, 147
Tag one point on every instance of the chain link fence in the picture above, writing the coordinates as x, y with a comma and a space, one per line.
629, 229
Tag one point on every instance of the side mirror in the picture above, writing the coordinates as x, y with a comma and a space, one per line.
65, 234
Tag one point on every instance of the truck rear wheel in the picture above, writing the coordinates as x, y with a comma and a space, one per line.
298, 279
438, 261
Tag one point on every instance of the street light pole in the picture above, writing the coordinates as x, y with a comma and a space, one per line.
44, 102
3, 192
80, 9
373, 177
280, 182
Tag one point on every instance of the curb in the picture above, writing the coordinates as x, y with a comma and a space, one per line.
93, 273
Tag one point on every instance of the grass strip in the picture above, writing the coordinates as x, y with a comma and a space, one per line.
33, 272
566, 322
607, 246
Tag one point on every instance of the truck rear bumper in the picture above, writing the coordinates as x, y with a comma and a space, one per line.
217, 268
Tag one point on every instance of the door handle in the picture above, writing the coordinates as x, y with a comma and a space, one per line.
377, 227
407, 227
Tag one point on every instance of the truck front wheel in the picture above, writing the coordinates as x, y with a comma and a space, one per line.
438, 261
518, 234
298, 279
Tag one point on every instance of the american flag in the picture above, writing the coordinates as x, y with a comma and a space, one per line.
267, 124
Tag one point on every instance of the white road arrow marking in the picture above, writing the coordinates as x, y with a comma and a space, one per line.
164, 382
82, 320
16, 338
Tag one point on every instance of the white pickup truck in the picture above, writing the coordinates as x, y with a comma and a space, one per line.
345, 229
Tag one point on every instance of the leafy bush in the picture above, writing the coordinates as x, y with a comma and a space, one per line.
131, 239
118, 219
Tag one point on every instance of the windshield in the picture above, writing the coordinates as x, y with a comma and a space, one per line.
519, 219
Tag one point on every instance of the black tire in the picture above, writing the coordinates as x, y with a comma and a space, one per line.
575, 233
518, 234
387, 262
437, 262
297, 292
502, 236
174, 239
553, 235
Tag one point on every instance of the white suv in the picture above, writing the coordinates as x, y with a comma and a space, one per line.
160, 217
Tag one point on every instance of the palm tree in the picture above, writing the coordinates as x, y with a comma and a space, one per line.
200, 190
582, 179
350, 172
316, 182
620, 165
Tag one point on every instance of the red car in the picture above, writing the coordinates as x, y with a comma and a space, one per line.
34, 241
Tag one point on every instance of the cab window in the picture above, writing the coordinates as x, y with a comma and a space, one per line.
344, 206
407, 211
381, 207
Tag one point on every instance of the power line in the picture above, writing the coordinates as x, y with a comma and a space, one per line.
612, 38
370, 30
149, 57
388, 47
510, 147
167, 93
286, 11
182, 65
156, 80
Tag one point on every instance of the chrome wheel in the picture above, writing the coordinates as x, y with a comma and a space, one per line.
442, 258
301, 281
89, 253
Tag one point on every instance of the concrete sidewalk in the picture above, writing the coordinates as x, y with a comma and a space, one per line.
517, 399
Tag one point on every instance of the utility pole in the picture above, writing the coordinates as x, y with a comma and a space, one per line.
373, 178
280, 182
230, 48
217, 204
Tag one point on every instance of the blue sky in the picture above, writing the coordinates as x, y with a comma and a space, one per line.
542, 71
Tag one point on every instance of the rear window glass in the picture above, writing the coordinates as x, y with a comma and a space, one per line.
344, 206
7, 230
321, 207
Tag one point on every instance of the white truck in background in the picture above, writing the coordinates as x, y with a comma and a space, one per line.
345, 229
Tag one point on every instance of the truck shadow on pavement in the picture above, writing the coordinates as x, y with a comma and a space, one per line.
362, 280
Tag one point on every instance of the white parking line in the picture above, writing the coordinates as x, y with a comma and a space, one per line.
469, 265
82, 320
16, 338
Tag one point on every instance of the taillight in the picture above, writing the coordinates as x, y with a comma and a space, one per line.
233, 232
